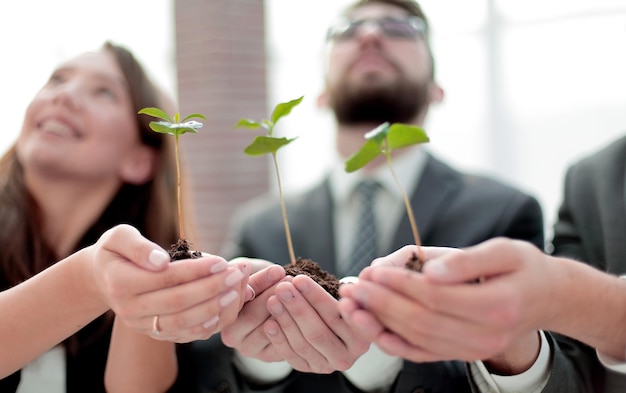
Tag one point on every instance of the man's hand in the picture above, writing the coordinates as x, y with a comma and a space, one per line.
444, 314
306, 328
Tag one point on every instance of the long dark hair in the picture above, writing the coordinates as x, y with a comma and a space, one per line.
149, 207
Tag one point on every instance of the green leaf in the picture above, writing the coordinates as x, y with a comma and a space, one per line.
167, 128
161, 128
402, 135
194, 116
156, 112
184, 130
369, 151
265, 144
248, 123
284, 108
379, 133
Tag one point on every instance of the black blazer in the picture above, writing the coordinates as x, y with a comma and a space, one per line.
591, 227
451, 209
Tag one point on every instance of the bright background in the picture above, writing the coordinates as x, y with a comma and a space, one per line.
531, 85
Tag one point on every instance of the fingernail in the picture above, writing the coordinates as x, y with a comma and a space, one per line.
276, 308
211, 322
227, 299
285, 295
302, 286
233, 278
275, 273
435, 268
218, 267
159, 258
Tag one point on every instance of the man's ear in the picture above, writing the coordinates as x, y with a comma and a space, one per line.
435, 93
139, 167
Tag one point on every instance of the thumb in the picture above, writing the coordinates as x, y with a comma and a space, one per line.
126, 241
490, 258
266, 278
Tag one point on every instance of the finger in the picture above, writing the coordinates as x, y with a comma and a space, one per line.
198, 332
202, 319
319, 303
127, 242
130, 289
266, 278
256, 264
281, 345
394, 311
176, 274
255, 344
280, 305
399, 257
404, 315
435, 328
395, 345
466, 300
252, 315
361, 321
219, 290
491, 258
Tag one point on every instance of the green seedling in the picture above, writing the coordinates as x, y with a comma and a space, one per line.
383, 140
269, 144
176, 128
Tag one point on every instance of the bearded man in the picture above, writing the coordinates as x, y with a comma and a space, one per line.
379, 68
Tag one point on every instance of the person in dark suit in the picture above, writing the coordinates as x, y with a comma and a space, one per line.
290, 338
585, 313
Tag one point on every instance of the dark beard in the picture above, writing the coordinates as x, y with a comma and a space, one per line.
375, 104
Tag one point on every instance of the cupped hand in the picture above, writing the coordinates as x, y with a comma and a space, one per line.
246, 333
306, 328
443, 313
185, 301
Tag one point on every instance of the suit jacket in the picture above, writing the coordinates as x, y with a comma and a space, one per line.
451, 209
591, 227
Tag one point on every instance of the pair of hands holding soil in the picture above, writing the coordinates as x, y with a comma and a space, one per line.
441, 313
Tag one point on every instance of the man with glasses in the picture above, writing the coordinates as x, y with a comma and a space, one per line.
291, 338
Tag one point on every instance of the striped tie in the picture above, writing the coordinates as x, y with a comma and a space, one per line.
365, 243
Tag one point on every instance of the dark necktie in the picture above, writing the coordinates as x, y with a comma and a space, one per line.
365, 243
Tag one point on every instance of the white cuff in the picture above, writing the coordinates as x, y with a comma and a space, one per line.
532, 380
612, 363
260, 372
374, 370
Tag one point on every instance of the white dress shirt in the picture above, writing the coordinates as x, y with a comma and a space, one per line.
44, 374
610, 362
532, 380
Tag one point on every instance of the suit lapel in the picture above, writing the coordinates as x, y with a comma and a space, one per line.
437, 184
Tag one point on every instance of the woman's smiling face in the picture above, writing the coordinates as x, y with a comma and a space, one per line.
81, 123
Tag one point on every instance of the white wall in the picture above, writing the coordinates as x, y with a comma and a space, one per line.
36, 35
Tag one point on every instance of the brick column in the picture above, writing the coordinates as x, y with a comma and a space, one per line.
220, 59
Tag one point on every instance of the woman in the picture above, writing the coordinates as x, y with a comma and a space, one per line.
83, 163
124, 271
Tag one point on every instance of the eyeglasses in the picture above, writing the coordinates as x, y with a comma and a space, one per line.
410, 28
